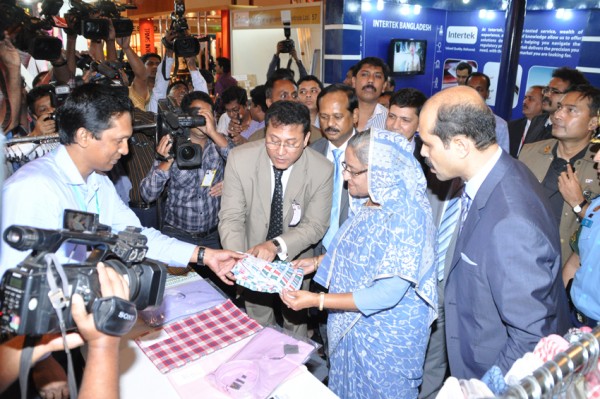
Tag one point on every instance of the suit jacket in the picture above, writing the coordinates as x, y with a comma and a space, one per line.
246, 199
538, 130
516, 128
504, 290
538, 157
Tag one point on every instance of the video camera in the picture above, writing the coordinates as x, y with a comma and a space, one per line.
184, 44
29, 33
32, 293
169, 121
86, 15
287, 45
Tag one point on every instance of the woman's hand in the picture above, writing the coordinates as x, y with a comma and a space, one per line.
298, 300
308, 265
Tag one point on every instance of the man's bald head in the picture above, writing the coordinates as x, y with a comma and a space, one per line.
459, 110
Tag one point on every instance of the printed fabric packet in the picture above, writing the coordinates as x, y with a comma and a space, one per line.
269, 277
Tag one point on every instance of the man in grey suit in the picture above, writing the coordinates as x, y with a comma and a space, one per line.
257, 171
504, 290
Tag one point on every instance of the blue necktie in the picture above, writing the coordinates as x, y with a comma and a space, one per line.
338, 182
445, 232
465, 204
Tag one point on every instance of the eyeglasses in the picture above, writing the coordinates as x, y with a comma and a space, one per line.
275, 145
353, 174
552, 90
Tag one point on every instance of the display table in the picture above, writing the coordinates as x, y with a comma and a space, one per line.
140, 378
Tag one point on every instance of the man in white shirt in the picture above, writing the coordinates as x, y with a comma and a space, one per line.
369, 81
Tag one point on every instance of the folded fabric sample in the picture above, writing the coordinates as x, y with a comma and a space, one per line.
260, 366
182, 300
270, 277
177, 343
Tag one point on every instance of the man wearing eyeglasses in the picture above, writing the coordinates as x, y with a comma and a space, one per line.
564, 164
282, 87
276, 201
562, 79
237, 121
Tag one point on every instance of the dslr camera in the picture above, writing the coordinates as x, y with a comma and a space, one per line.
34, 293
184, 44
287, 45
171, 121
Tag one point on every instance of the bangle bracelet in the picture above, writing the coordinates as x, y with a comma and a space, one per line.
321, 301
316, 263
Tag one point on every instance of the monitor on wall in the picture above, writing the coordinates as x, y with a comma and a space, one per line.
407, 56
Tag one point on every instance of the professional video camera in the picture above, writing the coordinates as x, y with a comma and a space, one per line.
169, 121
184, 44
287, 45
29, 33
86, 16
34, 293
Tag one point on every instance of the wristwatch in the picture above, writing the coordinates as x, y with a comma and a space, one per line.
277, 246
200, 259
579, 208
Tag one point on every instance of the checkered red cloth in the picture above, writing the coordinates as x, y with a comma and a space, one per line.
198, 335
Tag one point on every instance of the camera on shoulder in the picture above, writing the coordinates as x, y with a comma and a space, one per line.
35, 296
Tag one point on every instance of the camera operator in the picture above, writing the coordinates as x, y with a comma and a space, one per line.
94, 124
193, 194
161, 84
102, 371
41, 106
274, 65
10, 76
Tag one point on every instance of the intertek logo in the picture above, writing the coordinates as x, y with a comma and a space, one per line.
461, 34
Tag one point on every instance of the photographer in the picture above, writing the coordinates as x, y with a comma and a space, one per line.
94, 124
194, 194
102, 371
161, 84
274, 65
41, 106
237, 121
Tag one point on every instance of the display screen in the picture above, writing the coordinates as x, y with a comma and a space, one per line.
407, 56
16, 282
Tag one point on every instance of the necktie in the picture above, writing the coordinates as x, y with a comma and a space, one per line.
338, 182
445, 232
465, 204
276, 218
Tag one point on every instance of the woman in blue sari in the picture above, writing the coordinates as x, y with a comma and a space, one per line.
382, 287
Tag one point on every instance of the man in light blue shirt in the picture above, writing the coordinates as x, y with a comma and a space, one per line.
94, 124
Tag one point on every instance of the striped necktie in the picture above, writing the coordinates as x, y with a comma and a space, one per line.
446, 231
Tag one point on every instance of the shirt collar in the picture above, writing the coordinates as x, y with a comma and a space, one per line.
473, 185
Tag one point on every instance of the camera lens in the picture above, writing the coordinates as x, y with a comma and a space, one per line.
187, 153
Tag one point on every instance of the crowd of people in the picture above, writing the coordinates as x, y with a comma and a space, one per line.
434, 236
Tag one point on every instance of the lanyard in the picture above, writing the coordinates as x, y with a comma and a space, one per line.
80, 199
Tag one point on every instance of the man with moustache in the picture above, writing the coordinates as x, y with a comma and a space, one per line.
276, 202
495, 312
562, 80
517, 128
582, 266
369, 81
564, 164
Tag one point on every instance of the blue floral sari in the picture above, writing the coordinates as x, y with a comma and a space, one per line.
381, 355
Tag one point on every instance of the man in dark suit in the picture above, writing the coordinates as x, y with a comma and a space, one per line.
504, 290
562, 80
278, 170
517, 128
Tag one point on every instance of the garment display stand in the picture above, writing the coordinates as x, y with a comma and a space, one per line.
557, 375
